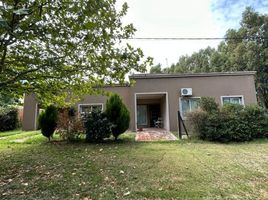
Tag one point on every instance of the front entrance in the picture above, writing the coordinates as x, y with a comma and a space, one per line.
154, 134
154, 114
151, 110
148, 115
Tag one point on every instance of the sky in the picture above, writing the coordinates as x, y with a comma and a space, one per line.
183, 18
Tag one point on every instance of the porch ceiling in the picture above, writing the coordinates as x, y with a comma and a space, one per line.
150, 96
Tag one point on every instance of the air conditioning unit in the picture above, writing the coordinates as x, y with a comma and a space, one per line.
186, 92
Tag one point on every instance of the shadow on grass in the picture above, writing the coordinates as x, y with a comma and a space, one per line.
129, 139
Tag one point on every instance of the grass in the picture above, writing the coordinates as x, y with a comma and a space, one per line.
32, 168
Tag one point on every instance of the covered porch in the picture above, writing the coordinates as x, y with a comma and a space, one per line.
151, 110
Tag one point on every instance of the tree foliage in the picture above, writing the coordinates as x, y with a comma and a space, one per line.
53, 47
118, 114
156, 69
245, 50
6, 101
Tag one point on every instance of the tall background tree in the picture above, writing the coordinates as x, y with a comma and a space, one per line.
52, 47
245, 48
156, 69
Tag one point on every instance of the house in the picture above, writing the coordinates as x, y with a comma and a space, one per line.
154, 99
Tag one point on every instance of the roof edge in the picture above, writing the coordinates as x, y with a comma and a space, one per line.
184, 75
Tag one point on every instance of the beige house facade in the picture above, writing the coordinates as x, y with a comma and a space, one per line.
155, 99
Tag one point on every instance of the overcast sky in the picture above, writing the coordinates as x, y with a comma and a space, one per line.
183, 18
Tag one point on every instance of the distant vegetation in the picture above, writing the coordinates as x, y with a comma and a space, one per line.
245, 50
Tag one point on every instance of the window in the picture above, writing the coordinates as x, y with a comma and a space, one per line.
142, 114
232, 100
188, 105
87, 108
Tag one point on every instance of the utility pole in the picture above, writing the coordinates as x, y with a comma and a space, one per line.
167, 62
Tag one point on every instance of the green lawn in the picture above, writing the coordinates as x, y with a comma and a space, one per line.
32, 168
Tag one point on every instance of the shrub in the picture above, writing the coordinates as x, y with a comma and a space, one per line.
226, 127
48, 121
232, 109
97, 126
208, 104
118, 114
8, 118
231, 123
257, 119
196, 121
69, 126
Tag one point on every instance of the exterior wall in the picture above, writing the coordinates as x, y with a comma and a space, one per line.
202, 85
30, 113
92, 99
214, 86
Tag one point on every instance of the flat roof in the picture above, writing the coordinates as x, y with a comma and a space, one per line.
184, 75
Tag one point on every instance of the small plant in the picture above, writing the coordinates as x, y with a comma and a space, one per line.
118, 114
97, 126
48, 121
8, 118
69, 126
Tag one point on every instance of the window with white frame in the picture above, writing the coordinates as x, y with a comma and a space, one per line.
232, 100
88, 108
188, 105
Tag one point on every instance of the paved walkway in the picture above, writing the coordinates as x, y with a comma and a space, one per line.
154, 134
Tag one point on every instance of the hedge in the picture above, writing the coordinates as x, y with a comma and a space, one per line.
8, 118
231, 123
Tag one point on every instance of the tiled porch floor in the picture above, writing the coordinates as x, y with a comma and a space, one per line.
154, 134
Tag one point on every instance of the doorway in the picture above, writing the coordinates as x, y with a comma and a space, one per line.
151, 109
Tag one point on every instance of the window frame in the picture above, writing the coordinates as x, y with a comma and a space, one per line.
89, 104
180, 105
234, 96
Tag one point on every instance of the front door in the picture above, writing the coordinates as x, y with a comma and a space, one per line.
154, 111
142, 115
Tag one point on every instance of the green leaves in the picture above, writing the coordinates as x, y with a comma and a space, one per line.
57, 47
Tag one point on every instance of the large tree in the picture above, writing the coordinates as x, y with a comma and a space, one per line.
251, 51
54, 47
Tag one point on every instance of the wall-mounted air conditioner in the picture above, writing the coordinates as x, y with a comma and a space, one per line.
186, 92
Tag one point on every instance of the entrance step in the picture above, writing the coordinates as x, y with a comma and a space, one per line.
154, 134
